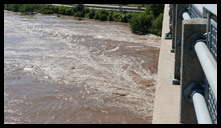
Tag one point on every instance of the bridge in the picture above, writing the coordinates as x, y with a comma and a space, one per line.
186, 90
108, 7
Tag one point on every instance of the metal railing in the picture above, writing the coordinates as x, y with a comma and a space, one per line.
209, 66
206, 52
108, 7
212, 37
211, 98
204, 102
200, 106
194, 11
211, 102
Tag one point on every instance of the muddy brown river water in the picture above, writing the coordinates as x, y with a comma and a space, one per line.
63, 70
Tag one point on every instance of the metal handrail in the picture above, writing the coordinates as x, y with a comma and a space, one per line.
208, 63
200, 107
186, 16
206, 53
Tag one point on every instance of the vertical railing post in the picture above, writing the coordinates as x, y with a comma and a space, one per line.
173, 26
180, 8
169, 34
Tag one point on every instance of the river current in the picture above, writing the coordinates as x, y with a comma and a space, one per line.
65, 70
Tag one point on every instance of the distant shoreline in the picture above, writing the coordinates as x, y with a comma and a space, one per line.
141, 23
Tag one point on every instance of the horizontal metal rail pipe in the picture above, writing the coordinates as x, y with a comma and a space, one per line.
200, 107
208, 64
186, 16
114, 6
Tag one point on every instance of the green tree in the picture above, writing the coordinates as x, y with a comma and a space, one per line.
91, 13
101, 15
141, 24
46, 9
116, 16
157, 24
79, 10
157, 9
27, 8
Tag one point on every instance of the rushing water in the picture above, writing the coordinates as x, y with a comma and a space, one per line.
62, 70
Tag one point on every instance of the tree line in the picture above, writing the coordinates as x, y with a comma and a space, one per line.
149, 21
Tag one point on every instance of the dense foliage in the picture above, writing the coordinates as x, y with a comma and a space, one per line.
146, 22
141, 24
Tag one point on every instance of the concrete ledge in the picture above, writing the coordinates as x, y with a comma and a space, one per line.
167, 96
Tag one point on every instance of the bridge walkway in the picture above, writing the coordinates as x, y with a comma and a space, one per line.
167, 96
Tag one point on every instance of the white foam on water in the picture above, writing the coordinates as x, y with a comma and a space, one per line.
109, 77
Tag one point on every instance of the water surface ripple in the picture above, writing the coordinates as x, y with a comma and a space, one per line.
62, 70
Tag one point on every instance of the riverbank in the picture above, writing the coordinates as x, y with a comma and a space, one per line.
141, 23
